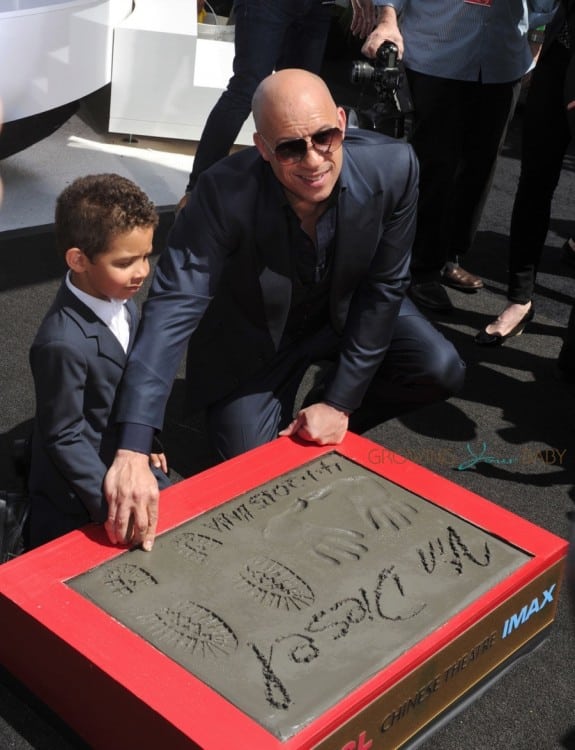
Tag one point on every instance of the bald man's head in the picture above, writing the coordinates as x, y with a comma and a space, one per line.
299, 132
288, 90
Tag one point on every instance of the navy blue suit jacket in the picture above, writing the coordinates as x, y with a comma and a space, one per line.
77, 364
224, 280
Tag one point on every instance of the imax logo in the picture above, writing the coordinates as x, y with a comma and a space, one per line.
521, 617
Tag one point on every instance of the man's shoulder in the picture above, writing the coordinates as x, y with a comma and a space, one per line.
358, 141
235, 168
376, 153
230, 189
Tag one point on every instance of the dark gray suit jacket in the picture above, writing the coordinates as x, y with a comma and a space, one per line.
77, 364
224, 281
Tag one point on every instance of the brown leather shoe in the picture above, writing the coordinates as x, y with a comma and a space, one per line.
459, 278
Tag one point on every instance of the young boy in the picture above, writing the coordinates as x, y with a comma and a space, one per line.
104, 226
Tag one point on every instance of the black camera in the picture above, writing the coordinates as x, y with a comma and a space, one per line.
392, 106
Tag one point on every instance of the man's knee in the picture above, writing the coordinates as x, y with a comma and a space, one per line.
446, 371
243, 424
427, 359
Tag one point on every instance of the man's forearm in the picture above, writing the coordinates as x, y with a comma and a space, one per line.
386, 29
385, 14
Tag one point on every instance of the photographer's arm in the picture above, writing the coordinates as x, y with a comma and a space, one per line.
387, 29
364, 16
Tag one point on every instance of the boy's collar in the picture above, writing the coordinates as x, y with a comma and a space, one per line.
104, 308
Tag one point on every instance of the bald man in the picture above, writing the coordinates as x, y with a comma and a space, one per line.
291, 252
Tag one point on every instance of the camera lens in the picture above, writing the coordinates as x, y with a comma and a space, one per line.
361, 71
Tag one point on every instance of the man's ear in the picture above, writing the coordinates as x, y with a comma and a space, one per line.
76, 259
261, 147
341, 119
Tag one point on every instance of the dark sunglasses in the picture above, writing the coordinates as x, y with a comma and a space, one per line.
290, 152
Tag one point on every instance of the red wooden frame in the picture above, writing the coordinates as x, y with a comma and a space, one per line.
111, 686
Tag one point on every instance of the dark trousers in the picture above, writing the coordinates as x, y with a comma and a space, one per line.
269, 35
420, 367
545, 138
458, 130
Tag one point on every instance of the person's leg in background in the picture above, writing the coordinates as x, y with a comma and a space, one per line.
436, 139
260, 28
306, 38
487, 109
545, 137
268, 34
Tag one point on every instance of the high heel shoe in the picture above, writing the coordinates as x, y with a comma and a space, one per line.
496, 339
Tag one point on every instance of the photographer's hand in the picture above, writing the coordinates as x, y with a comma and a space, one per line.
363, 20
386, 30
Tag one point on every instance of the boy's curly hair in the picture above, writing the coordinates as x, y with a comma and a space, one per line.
94, 209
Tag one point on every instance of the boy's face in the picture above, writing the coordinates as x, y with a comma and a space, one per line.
120, 271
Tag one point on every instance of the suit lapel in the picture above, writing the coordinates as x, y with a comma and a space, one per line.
93, 327
274, 263
358, 226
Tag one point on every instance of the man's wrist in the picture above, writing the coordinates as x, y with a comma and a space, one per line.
136, 437
130, 455
385, 14
338, 407
386, 7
